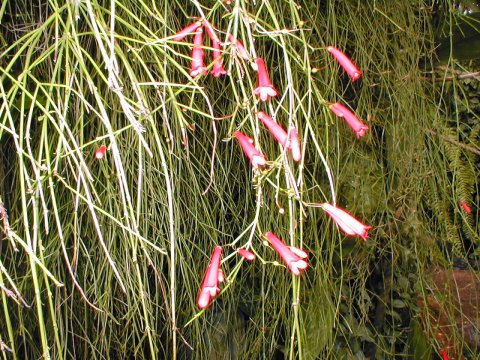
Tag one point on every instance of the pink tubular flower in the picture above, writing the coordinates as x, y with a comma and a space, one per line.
190, 29
347, 222
295, 145
292, 256
218, 69
247, 255
444, 355
351, 119
244, 54
265, 88
345, 62
275, 129
256, 157
465, 207
197, 65
100, 153
209, 288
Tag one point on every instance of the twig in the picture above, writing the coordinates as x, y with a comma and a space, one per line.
455, 142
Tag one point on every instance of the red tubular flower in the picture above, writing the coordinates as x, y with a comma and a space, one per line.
347, 222
265, 88
209, 288
295, 145
465, 207
292, 256
345, 62
247, 255
218, 69
275, 129
100, 153
197, 65
256, 157
190, 29
351, 119
244, 54
444, 355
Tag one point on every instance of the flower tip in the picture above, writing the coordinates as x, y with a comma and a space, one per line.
100, 153
465, 207
356, 75
247, 255
203, 300
256, 157
258, 160
221, 277
299, 252
218, 69
444, 355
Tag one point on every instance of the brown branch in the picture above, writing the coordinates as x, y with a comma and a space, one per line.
454, 142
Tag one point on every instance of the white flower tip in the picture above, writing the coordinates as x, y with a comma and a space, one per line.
258, 160
203, 300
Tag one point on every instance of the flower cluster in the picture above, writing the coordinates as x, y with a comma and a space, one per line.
338, 109
197, 65
295, 259
343, 219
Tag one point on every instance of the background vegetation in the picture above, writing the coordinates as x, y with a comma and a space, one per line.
104, 259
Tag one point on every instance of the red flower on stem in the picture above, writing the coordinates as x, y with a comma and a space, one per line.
247, 255
188, 30
213, 275
218, 69
281, 135
351, 119
346, 222
345, 62
197, 66
444, 355
275, 129
256, 157
244, 54
100, 153
292, 256
465, 207
265, 88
